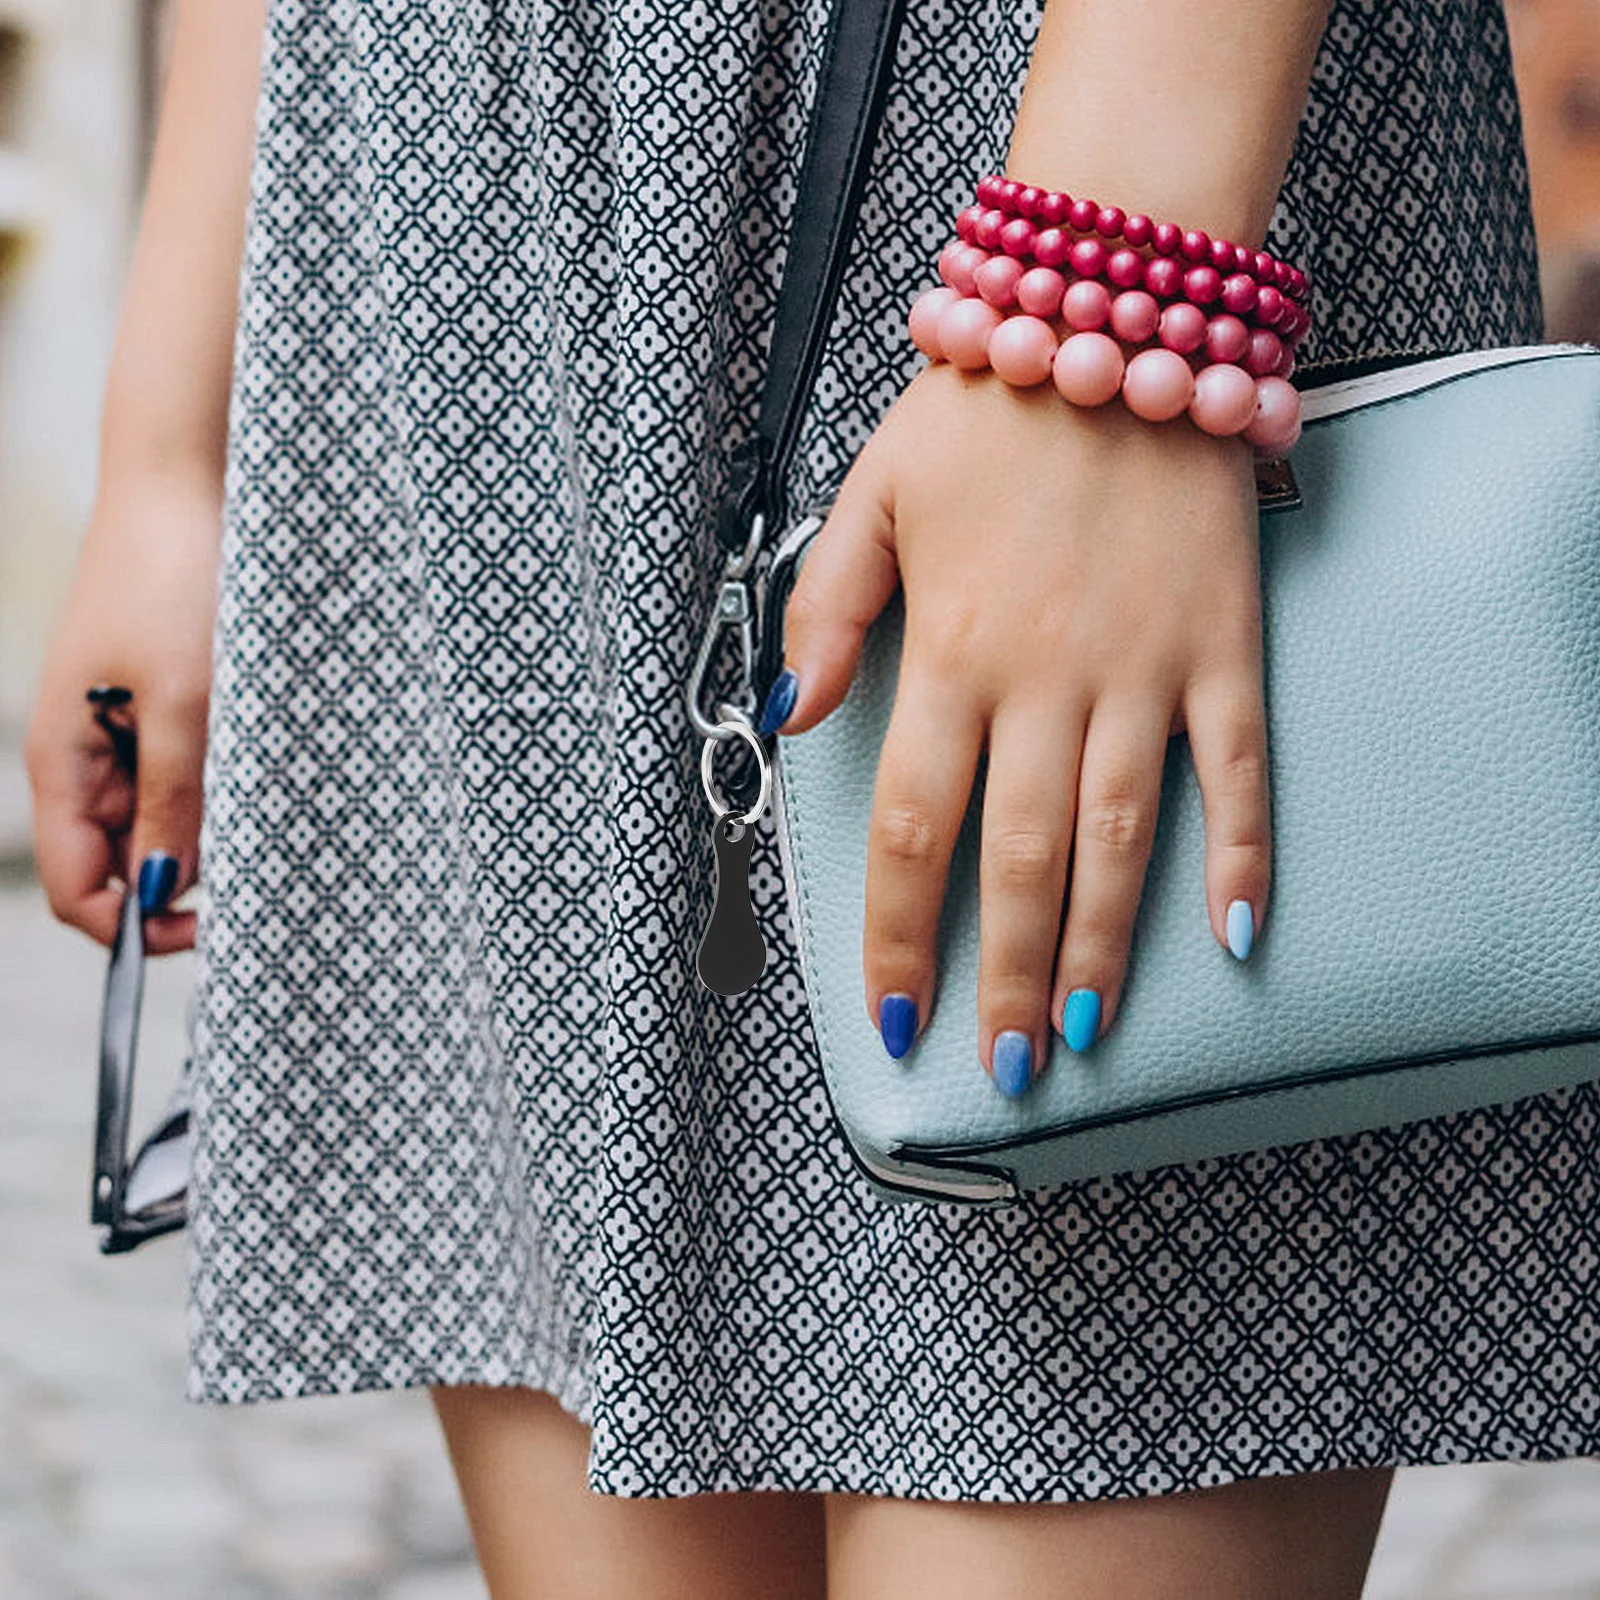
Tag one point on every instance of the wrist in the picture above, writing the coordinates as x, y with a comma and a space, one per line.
1195, 177
173, 496
1185, 109
140, 466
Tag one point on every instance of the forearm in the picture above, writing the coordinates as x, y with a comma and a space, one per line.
1185, 110
166, 398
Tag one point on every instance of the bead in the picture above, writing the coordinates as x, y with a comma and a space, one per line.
1157, 385
1053, 209
1196, 245
1088, 257
1017, 237
966, 221
958, 263
1276, 427
1039, 291
1138, 230
1269, 305
1086, 305
926, 312
1088, 369
989, 191
1022, 350
1028, 200
997, 279
1125, 268
1282, 274
1261, 359
1082, 215
1167, 237
964, 332
1109, 220
1202, 284
1163, 277
1261, 267
1135, 316
1243, 255
1224, 400
986, 230
950, 260
1239, 294
1182, 327
1227, 338
1222, 255
1299, 321
1286, 362
1009, 190
1052, 247
1297, 283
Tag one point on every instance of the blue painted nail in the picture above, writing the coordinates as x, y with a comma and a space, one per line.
1013, 1062
780, 701
1080, 1018
1241, 928
158, 877
897, 1022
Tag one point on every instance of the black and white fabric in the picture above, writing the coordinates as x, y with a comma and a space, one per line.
464, 1112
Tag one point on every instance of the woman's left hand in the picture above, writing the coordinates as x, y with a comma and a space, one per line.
1079, 584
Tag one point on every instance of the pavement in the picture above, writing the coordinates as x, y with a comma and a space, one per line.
114, 1487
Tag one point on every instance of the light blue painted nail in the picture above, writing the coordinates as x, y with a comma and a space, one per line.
1241, 928
1080, 1018
1013, 1062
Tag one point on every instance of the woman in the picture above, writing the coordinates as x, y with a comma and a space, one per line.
465, 1117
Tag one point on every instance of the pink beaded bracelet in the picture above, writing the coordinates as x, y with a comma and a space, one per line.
970, 268
1088, 368
1136, 315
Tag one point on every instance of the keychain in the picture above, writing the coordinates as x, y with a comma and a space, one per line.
733, 953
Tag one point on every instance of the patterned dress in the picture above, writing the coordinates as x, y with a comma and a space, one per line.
464, 1113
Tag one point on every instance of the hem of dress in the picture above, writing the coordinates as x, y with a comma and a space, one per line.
1215, 1475
555, 1375
566, 1383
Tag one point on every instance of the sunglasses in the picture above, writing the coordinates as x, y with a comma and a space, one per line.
141, 1199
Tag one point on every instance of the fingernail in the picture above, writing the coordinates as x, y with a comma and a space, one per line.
780, 701
897, 1022
158, 877
1080, 1018
1013, 1062
1241, 928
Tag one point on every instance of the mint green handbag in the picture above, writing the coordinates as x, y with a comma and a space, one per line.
1432, 942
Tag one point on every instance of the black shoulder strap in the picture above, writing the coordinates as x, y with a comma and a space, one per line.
858, 55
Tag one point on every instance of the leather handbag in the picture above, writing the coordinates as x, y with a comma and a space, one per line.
1431, 614
1431, 608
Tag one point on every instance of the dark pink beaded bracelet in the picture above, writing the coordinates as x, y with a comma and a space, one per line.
1027, 204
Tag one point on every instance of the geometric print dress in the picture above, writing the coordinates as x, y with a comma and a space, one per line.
463, 1112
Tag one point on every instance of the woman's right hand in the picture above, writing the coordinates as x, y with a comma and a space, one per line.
140, 614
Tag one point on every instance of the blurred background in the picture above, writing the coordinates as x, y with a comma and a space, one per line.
111, 1484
